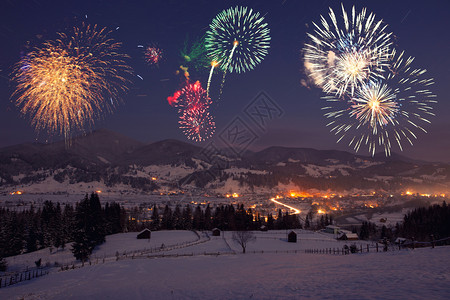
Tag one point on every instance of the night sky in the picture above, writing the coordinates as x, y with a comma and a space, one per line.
421, 28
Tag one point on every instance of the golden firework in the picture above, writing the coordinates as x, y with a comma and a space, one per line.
65, 84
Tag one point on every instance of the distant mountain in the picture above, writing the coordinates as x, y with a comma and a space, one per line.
303, 155
163, 152
116, 162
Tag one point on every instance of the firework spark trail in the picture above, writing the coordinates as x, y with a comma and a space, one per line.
384, 110
235, 44
338, 60
66, 83
213, 65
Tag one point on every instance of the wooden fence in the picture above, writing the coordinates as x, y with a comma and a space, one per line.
17, 277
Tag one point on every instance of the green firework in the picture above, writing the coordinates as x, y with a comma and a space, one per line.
238, 39
194, 55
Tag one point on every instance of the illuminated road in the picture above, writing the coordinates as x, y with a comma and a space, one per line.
296, 211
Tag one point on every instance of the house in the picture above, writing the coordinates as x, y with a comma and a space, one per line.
332, 229
144, 234
216, 232
292, 237
346, 235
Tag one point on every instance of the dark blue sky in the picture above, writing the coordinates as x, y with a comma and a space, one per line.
420, 28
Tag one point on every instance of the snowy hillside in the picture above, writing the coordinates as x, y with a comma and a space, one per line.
117, 164
406, 274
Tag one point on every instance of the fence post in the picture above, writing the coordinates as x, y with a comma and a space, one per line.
360, 248
377, 246
367, 248
1, 283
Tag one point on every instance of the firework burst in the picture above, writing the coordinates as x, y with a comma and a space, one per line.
194, 55
385, 110
66, 83
197, 124
153, 55
238, 39
191, 95
340, 56
193, 107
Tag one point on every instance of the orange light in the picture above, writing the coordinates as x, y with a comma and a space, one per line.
235, 195
154, 178
235, 43
214, 63
98, 192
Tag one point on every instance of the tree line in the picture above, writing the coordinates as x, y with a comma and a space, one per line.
420, 224
53, 226
224, 217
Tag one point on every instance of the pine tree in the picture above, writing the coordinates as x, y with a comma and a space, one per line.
307, 222
167, 218
89, 227
155, 217
208, 222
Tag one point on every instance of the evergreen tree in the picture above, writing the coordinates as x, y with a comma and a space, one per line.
208, 223
89, 229
187, 217
155, 217
167, 221
270, 222
307, 222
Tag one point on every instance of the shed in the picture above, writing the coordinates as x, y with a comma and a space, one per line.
263, 228
348, 236
292, 237
332, 229
216, 232
144, 234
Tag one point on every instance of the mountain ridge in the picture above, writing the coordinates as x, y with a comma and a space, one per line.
114, 160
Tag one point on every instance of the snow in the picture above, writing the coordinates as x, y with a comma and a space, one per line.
122, 243
237, 171
318, 171
412, 274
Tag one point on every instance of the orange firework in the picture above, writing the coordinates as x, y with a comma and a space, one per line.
67, 83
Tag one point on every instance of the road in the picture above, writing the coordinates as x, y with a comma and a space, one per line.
296, 211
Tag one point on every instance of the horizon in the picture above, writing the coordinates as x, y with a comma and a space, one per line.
250, 149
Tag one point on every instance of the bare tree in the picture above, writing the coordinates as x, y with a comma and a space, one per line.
242, 238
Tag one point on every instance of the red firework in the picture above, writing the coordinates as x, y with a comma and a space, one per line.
190, 97
153, 55
193, 107
197, 124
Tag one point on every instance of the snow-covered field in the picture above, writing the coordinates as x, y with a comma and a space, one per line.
406, 274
